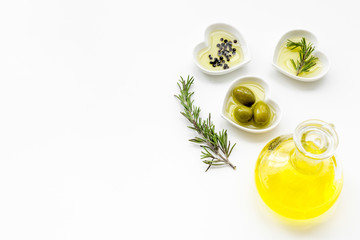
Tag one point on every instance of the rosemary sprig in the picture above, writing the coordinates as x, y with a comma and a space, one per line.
306, 61
216, 147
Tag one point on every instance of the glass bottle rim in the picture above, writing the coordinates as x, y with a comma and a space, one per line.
323, 135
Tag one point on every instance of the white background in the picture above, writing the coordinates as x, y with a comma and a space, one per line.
92, 144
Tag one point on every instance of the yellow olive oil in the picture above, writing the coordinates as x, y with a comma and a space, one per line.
232, 103
283, 61
293, 185
212, 49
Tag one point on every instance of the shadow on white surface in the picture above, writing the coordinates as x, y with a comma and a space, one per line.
226, 78
292, 83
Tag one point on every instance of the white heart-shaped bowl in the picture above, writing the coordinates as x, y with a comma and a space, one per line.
317, 53
272, 104
234, 32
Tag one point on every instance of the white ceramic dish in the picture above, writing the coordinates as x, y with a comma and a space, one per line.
310, 37
268, 100
233, 31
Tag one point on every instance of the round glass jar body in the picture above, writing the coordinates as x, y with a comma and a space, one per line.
297, 175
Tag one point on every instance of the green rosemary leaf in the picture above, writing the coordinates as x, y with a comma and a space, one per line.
215, 163
216, 148
231, 147
197, 140
306, 61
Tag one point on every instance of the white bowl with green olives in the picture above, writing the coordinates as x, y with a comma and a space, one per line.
248, 106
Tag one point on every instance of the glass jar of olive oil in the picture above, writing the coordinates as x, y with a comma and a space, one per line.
297, 175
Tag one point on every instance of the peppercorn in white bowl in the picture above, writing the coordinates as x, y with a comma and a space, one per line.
224, 50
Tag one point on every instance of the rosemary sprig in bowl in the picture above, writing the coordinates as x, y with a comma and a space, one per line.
216, 148
306, 60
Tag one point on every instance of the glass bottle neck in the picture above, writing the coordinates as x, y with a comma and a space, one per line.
315, 141
304, 163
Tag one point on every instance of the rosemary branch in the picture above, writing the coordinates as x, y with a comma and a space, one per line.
306, 61
216, 148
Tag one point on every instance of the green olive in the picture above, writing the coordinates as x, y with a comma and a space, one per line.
243, 114
261, 113
244, 95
